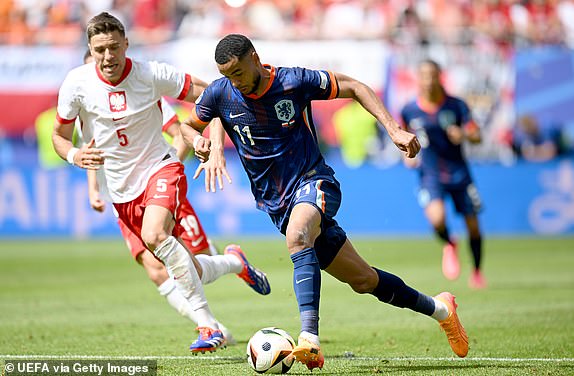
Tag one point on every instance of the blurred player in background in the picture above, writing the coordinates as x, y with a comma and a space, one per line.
266, 111
442, 123
118, 101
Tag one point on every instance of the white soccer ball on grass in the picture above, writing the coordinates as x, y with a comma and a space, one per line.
269, 351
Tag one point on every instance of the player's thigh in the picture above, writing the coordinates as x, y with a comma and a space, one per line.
157, 225
431, 199
435, 212
165, 191
349, 267
315, 202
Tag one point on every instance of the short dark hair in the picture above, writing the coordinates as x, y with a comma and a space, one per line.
104, 23
232, 45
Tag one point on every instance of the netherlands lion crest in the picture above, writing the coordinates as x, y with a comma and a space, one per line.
285, 110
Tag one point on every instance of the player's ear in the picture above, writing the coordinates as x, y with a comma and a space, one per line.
127, 43
255, 57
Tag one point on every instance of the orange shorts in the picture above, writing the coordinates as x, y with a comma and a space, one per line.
166, 188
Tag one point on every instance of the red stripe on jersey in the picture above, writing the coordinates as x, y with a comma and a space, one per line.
334, 86
271, 79
186, 87
61, 120
168, 123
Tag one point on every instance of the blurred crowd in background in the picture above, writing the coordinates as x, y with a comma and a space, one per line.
503, 22
478, 38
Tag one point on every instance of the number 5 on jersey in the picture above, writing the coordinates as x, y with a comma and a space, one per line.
122, 137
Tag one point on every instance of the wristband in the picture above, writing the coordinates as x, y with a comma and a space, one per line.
196, 141
71, 154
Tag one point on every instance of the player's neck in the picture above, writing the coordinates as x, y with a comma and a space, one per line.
264, 80
435, 96
431, 101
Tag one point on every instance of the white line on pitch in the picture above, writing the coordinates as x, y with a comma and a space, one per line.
169, 357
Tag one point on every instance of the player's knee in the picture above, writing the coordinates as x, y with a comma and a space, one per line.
297, 240
153, 239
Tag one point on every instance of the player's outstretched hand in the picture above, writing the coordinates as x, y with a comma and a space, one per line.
215, 169
89, 157
406, 142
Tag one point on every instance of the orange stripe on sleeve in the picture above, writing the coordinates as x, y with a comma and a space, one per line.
334, 86
196, 118
323, 203
186, 87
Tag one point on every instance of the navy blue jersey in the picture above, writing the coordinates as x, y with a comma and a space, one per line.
441, 160
273, 133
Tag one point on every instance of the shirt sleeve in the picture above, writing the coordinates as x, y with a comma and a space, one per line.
205, 105
168, 113
68, 102
319, 84
169, 81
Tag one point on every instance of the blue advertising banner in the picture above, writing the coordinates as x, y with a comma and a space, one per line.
522, 199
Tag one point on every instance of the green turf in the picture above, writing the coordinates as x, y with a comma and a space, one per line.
66, 298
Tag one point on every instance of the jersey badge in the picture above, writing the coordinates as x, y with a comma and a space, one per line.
117, 101
285, 112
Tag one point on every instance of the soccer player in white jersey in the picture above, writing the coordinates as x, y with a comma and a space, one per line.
118, 101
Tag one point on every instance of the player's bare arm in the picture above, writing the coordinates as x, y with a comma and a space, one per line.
87, 156
96, 202
351, 88
191, 130
182, 149
197, 87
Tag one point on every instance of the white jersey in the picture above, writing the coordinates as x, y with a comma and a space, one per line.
125, 120
169, 117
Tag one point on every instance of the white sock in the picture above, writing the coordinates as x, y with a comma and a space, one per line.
313, 338
214, 267
176, 299
440, 310
212, 249
180, 267
169, 290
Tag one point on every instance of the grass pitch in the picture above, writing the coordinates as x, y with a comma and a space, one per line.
72, 300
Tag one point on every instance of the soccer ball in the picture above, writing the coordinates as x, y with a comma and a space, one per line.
269, 351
